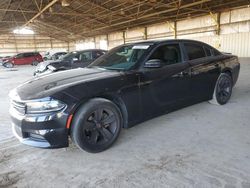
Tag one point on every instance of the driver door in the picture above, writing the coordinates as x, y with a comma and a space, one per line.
168, 86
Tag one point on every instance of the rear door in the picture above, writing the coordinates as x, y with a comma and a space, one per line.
28, 58
204, 69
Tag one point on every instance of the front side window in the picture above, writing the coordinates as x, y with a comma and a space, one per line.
70, 56
122, 57
85, 56
194, 51
97, 54
19, 56
169, 54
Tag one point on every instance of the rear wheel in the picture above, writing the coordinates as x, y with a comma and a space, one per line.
96, 125
223, 89
35, 63
8, 65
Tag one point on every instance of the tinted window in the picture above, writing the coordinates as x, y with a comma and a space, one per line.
19, 56
122, 57
208, 51
85, 56
194, 51
169, 54
216, 52
28, 54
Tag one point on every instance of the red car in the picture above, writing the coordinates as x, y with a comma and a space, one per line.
28, 58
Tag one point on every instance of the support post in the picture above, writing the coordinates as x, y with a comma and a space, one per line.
107, 36
124, 37
216, 18
145, 33
175, 29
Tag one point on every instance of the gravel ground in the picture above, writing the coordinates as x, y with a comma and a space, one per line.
199, 146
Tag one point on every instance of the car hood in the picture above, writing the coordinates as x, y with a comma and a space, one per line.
47, 85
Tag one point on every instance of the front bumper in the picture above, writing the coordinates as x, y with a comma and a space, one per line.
46, 131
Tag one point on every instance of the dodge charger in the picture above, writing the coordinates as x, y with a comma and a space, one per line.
128, 85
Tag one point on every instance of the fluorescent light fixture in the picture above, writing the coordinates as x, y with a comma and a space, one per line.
24, 31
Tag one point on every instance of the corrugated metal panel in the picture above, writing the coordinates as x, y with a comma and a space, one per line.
238, 44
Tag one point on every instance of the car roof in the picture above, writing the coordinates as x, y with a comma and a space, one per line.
89, 50
153, 42
27, 52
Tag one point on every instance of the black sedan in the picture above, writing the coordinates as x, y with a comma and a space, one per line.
72, 60
130, 84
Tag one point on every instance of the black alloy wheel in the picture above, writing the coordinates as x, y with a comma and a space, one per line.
223, 89
96, 125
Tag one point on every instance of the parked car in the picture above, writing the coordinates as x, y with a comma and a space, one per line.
72, 60
130, 84
32, 58
48, 55
3, 59
58, 55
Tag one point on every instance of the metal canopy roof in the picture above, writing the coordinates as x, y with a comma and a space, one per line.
85, 18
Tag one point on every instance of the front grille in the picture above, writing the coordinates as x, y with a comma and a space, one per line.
19, 106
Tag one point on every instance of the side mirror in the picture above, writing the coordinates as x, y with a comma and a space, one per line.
153, 63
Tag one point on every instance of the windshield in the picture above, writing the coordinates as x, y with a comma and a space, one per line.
121, 58
69, 56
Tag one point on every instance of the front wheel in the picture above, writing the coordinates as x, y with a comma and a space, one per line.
96, 125
223, 89
8, 65
35, 63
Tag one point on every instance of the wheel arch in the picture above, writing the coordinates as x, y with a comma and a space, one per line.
120, 104
227, 71
113, 98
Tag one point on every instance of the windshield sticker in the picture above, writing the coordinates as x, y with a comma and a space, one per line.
144, 47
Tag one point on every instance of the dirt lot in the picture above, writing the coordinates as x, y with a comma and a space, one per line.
200, 146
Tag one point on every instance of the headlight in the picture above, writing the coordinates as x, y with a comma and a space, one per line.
45, 105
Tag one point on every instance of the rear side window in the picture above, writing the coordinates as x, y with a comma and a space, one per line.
27, 54
194, 51
208, 51
216, 52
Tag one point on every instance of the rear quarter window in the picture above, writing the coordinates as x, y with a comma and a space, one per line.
194, 51
208, 51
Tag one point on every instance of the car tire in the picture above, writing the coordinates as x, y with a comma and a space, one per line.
223, 89
8, 65
35, 63
96, 125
